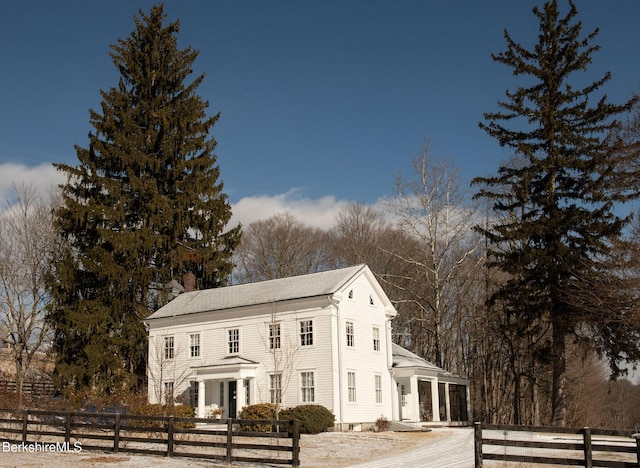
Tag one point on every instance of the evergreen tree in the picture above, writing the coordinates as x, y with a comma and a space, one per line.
143, 205
556, 211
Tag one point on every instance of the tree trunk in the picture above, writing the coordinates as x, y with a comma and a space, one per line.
558, 358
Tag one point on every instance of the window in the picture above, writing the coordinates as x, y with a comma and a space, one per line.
306, 333
194, 344
168, 392
234, 340
378, 387
168, 347
221, 399
274, 336
247, 389
351, 386
193, 393
275, 388
350, 337
370, 299
403, 396
307, 387
376, 339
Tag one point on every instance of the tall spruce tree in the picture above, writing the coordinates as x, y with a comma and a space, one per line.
556, 211
143, 206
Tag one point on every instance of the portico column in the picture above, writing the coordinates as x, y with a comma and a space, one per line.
435, 400
448, 400
240, 396
201, 399
415, 399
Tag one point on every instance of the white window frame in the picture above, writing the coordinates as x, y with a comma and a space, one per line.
233, 342
306, 332
168, 389
194, 345
275, 388
275, 335
376, 338
377, 384
307, 387
169, 347
350, 333
351, 387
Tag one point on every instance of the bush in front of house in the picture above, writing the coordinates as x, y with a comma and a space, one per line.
313, 418
259, 411
177, 411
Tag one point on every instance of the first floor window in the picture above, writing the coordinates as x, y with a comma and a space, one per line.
351, 386
275, 388
168, 347
168, 392
234, 340
378, 387
194, 344
307, 387
193, 394
221, 393
403, 396
306, 333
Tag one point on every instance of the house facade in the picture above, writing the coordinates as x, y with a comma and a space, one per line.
322, 338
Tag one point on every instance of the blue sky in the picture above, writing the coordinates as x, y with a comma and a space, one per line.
322, 102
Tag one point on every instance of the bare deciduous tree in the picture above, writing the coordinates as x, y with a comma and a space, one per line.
27, 240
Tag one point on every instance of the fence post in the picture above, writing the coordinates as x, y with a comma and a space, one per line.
229, 440
170, 437
637, 436
588, 454
116, 434
295, 457
25, 422
477, 444
67, 427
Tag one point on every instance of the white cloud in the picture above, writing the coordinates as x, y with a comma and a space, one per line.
320, 212
43, 178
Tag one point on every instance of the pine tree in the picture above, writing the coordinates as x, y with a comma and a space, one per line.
144, 205
556, 219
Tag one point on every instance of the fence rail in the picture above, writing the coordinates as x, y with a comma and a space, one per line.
169, 436
35, 388
556, 446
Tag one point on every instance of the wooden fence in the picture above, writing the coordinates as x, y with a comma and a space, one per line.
556, 446
34, 388
152, 435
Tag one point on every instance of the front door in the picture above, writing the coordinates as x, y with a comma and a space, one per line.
232, 399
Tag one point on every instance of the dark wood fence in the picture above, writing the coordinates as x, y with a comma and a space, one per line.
152, 435
557, 446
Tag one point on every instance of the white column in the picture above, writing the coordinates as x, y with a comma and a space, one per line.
414, 403
240, 396
435, 400
448, 400
201, 399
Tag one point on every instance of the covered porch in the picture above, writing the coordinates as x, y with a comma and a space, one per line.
426, 393
225, 386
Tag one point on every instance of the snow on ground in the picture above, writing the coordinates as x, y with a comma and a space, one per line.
441, 448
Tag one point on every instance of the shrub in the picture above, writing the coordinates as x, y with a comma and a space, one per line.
382, 424
259, 411
177, 411
313, 418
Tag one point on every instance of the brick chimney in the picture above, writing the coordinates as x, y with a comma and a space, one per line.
189, 282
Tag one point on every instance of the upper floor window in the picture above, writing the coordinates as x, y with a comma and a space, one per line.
306, 333
274, 336
233, 340
350, 335
376, 339
168, 347
194, 345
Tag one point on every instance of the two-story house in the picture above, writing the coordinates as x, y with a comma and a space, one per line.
322, 338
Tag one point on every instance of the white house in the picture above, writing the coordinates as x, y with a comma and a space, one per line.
322, 338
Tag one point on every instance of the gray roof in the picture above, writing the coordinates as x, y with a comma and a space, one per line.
405, 358
264, 292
